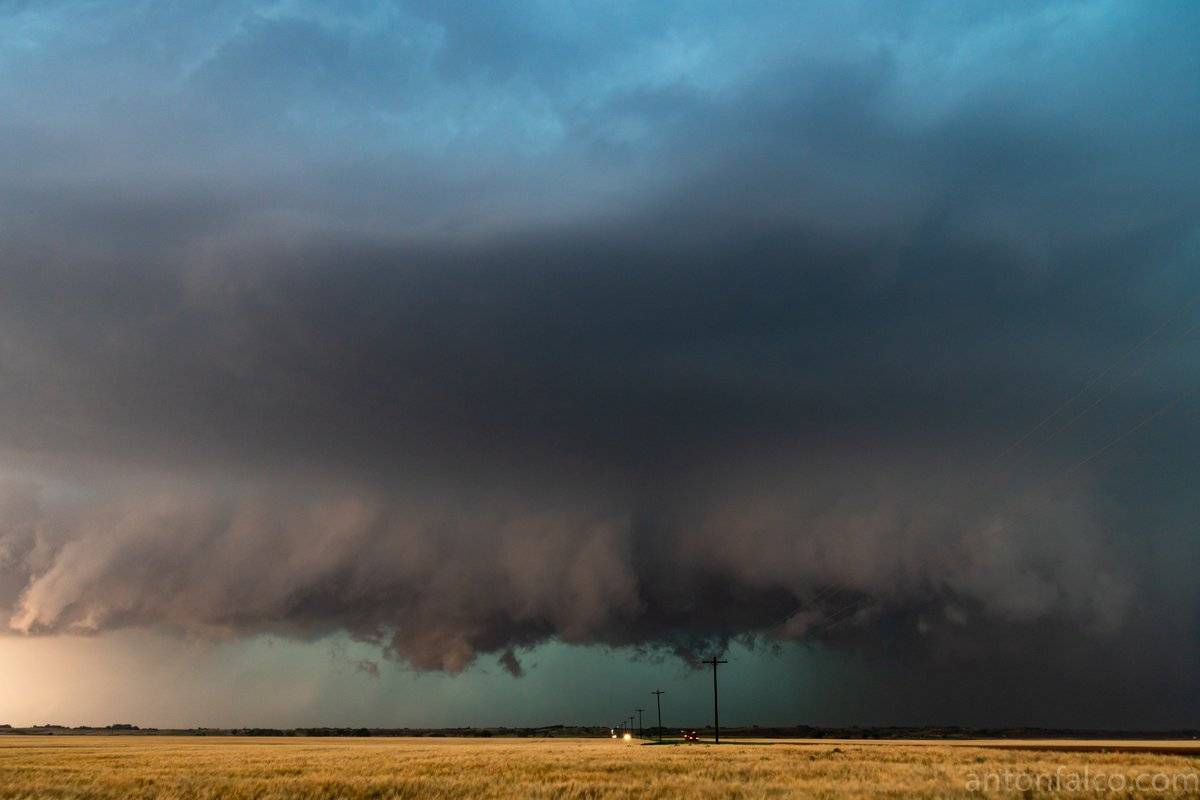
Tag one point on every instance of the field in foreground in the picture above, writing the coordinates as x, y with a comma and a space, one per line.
213, 767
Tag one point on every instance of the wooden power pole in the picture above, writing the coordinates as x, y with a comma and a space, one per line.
658, 693
713, 662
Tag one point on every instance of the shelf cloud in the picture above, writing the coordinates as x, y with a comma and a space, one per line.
463, 329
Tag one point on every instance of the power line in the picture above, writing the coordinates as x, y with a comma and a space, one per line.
1143, 422
853, 605
1100, 399
847, 612
826, 593
841, 615
1097, 378
835, 619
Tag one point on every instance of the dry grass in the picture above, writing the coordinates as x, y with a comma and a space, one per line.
184, 767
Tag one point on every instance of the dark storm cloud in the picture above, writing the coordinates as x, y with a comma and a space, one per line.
654, 329
367, 667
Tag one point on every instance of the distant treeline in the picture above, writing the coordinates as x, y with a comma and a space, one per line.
583, 731
562, 731
942, 732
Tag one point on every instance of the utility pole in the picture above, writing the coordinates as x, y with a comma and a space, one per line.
640, 734
713, 662
658, 693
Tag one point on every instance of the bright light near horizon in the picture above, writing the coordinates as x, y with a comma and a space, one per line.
628, 736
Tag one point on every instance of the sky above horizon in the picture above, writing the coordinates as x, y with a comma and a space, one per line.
414, 363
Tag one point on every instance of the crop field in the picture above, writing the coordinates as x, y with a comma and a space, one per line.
219, 767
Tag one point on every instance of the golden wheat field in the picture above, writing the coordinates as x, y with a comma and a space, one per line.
432, 769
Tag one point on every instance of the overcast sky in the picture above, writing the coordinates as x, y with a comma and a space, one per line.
423, 358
